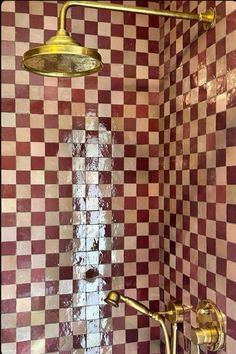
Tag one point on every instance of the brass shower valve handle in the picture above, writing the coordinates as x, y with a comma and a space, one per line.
205, 336
211, 326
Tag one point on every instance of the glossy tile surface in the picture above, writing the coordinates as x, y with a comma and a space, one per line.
197, 215
79, 185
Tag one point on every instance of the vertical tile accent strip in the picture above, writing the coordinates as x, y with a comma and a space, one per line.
79, 185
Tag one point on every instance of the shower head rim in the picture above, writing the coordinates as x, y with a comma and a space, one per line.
64, 49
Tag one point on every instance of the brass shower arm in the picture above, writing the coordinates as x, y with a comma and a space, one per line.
145, 310
62, 56
208, 18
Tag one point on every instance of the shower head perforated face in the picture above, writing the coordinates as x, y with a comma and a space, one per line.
113, 298
62, 56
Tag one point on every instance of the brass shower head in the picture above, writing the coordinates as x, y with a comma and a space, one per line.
62, 56
113, 298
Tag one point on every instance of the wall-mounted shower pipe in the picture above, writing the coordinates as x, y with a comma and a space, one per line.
207, 17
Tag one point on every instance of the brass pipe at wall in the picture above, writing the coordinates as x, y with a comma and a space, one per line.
208, 17
174, 339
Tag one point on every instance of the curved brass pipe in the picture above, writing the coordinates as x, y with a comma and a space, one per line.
207, 17
114, 297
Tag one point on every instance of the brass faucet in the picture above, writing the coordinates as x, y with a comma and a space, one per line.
211, 321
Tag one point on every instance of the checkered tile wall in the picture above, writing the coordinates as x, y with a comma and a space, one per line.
197, 164
79, 185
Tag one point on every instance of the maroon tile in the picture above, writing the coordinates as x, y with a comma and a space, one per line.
8, 48
231, 175
23, 290
37, 191
8, 277
51, 287
23, 177
231, 213
8, 162
8, 191
51, 345
230, 22
79, 341
8, 306
220, 157
37, 303
8, 335
8, 248
65, 163
22, 120
221, 230
51, 149
131, 335
22, 7
37, 218
37, 275
130, 282
51, 204
231, 60
221, 266
23, 205
64, 107
36, 134
8, 76
51, 316
37, 332
23, 262
37, 163
8, 134
36, 21
51, 177
8, 219
36, 106
230, 289
22, 91
231, 137
52, 260
66, 301
66, 273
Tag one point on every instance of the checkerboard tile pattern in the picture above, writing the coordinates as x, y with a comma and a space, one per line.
197, 175
79, 185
